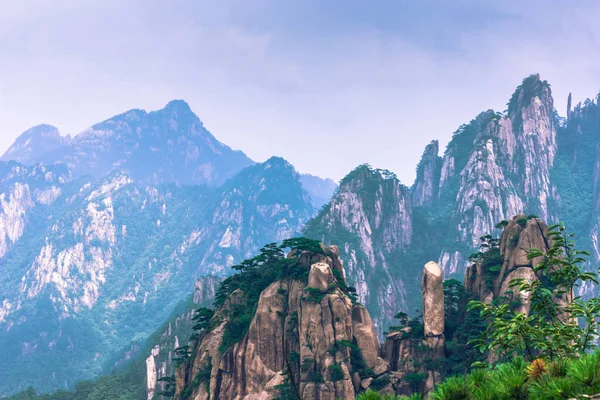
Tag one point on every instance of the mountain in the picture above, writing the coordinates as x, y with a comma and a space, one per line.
165, 146
160, 147
301, 333
320, 190
34, 143
371, 218
91, 267
94, 264
524, 160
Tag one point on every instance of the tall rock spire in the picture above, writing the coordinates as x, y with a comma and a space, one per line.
425, 189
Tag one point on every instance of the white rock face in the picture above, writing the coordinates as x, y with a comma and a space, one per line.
480, 200
452, 263
48, 196
151, 376
14, 207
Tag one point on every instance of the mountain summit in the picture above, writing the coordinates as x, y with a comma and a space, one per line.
164, 146
32, 144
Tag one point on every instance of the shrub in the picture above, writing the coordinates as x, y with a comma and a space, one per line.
336, 373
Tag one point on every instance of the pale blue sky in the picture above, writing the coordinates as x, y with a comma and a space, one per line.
327, 84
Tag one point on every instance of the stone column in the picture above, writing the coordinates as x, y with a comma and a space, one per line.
432, 286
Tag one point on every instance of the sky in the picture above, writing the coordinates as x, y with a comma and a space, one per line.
326, 84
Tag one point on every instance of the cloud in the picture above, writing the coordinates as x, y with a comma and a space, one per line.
327, 85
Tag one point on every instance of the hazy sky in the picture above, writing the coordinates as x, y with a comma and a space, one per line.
327, 84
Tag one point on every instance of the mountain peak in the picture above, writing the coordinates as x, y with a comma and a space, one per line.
34, 142
365, 172
432, 148
278, 161
42, 130
178, 105
531, 87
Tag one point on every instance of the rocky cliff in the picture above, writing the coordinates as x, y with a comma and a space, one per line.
370, 218
489, 277
306, 336
499, 165
425, 189
496, 166
91, 267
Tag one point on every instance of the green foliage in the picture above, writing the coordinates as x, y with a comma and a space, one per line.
522, 222
565, 379
314, 294
415, 380
372, 395
203, 376
550, 330
380, 382
169, 389
336, 373
286, 390
490, 258
202, 319
316, 377
502, 224
128, 384
182, 354
254, 276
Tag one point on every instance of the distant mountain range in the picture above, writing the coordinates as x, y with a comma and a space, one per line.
165, 146
103, 234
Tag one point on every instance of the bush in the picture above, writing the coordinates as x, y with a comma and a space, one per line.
336, 373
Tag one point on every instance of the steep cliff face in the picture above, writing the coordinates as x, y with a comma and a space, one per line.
500, 165
497, 166
577, 173
85, 259
370, 217
311, 328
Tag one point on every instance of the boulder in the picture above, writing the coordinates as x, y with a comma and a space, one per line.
320, 277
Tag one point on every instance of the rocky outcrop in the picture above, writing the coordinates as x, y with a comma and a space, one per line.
307, 328
432, 285
205, 289
405, 351
521, 234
